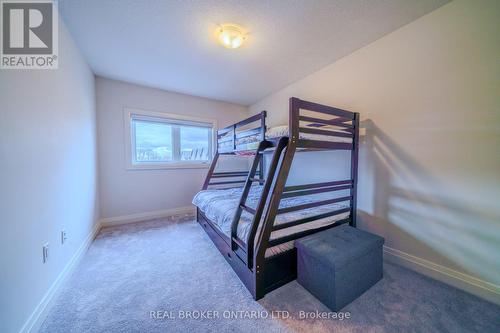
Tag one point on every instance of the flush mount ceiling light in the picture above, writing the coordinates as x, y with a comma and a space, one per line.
230, 35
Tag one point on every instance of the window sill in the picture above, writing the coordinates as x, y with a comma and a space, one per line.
167, 166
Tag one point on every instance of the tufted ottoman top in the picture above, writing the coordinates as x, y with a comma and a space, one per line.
339, 246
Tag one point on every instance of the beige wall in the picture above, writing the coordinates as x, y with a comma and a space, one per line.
125, 192
48, 178
429, 97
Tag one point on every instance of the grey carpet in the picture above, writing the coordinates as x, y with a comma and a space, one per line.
171, 265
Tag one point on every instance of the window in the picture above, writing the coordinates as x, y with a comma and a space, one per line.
159, 140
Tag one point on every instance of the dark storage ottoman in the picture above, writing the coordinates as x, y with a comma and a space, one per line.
339, 264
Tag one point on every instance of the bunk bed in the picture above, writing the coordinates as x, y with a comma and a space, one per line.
253, 220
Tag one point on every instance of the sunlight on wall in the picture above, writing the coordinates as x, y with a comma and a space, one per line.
411, 199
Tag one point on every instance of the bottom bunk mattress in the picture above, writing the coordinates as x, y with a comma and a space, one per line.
220, 205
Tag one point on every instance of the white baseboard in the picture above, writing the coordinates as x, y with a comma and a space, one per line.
117, 220
38, 315
471, 284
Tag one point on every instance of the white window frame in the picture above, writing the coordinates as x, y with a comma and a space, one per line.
130, 113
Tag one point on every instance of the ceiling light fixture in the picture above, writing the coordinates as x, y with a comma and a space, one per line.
230, 35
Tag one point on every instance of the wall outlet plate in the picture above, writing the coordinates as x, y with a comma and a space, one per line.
64, 236
45, 253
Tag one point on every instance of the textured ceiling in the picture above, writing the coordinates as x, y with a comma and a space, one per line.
170, 44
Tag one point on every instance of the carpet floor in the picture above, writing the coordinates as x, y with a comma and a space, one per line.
150, 276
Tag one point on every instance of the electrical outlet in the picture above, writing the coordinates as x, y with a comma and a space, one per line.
45, 252
64, 236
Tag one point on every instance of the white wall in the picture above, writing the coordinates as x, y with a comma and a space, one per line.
429, 97
48, 176
125, 192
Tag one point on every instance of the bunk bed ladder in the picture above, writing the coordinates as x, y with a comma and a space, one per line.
237, 244
210, 171
283, 170
280, 145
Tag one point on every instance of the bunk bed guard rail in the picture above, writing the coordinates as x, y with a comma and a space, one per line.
327, 122
227, 139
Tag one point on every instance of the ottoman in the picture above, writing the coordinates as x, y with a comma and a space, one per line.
339, 264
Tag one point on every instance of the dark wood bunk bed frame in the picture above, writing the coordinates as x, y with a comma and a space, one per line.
261, 274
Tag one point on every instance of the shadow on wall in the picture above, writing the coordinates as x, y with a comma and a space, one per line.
401, 200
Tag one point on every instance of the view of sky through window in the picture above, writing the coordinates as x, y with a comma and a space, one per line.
194, 143
153, 141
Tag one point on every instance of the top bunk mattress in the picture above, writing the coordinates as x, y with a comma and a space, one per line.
251, 142
220, 206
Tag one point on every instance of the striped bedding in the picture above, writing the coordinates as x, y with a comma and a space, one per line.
251, 142
219, 206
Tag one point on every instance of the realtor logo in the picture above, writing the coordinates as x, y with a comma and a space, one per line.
29, 34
